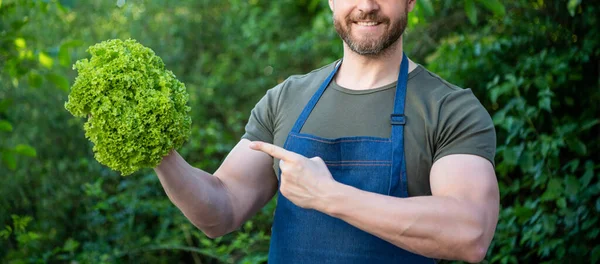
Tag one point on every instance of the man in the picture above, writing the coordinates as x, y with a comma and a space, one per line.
376, 159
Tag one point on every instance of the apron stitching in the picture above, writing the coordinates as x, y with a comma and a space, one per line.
364, 165
327, 142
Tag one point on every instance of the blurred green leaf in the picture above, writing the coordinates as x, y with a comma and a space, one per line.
20, 43
64, 57
572, 185
511, 155
588, 175
523, 213
427, 7
46, 60
5, 126
4, 104
314, 4
58, 80
35, 80
70, 245
544, 103
595, 254
25, 150
577, 145
495, 6
590, 124
471, 11
9, 160
553, 190
572, 6
561, 203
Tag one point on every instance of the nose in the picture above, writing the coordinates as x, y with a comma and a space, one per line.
367, 6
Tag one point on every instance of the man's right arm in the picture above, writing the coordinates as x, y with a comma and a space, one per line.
219, 203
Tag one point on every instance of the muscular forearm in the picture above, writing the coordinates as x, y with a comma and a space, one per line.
436, 227
199, 195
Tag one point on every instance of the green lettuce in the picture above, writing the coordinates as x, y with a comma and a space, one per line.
137, 109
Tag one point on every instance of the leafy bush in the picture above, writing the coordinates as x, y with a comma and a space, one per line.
537, 73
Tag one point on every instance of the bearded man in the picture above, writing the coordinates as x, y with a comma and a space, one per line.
376, 159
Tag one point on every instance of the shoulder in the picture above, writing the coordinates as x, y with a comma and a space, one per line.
458, 122
437, 96
432, 87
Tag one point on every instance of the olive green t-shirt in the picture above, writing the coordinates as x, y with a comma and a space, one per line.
441, 119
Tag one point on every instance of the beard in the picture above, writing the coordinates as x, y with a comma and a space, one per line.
370, 45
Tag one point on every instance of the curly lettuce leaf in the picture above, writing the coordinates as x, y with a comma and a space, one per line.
138, 108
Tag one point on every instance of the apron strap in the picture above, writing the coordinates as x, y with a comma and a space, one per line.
313, 100
399, 182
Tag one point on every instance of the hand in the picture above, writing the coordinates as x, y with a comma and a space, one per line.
305, 182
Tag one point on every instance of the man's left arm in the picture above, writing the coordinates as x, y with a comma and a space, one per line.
457, 222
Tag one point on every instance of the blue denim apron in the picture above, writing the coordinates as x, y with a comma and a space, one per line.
371, 164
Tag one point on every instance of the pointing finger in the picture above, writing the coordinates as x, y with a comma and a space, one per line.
275, 151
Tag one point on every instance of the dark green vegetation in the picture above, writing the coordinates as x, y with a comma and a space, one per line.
533, 64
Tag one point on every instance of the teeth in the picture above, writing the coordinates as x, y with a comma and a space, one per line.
367, 24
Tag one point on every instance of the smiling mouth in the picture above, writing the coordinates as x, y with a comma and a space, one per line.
367, 23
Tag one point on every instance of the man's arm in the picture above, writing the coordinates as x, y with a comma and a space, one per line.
457, 222
219, 203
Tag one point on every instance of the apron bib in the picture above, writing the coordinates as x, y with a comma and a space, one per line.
371, 164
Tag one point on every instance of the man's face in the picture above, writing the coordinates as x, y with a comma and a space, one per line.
369, 27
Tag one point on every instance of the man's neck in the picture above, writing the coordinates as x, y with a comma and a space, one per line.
359, 72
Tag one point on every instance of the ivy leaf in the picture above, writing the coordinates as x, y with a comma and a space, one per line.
553, 190
25, 150
588, 175
572, 185
523, 213
526, 162
5, 126
471, 11
544, 103
511, 155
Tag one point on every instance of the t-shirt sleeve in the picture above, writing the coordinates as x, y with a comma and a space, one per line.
464, 127
261, 123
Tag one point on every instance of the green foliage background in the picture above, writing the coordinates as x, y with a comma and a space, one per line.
535, 65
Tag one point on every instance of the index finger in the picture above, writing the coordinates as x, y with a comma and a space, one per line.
275, 151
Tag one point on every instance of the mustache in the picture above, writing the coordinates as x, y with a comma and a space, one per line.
370, 16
